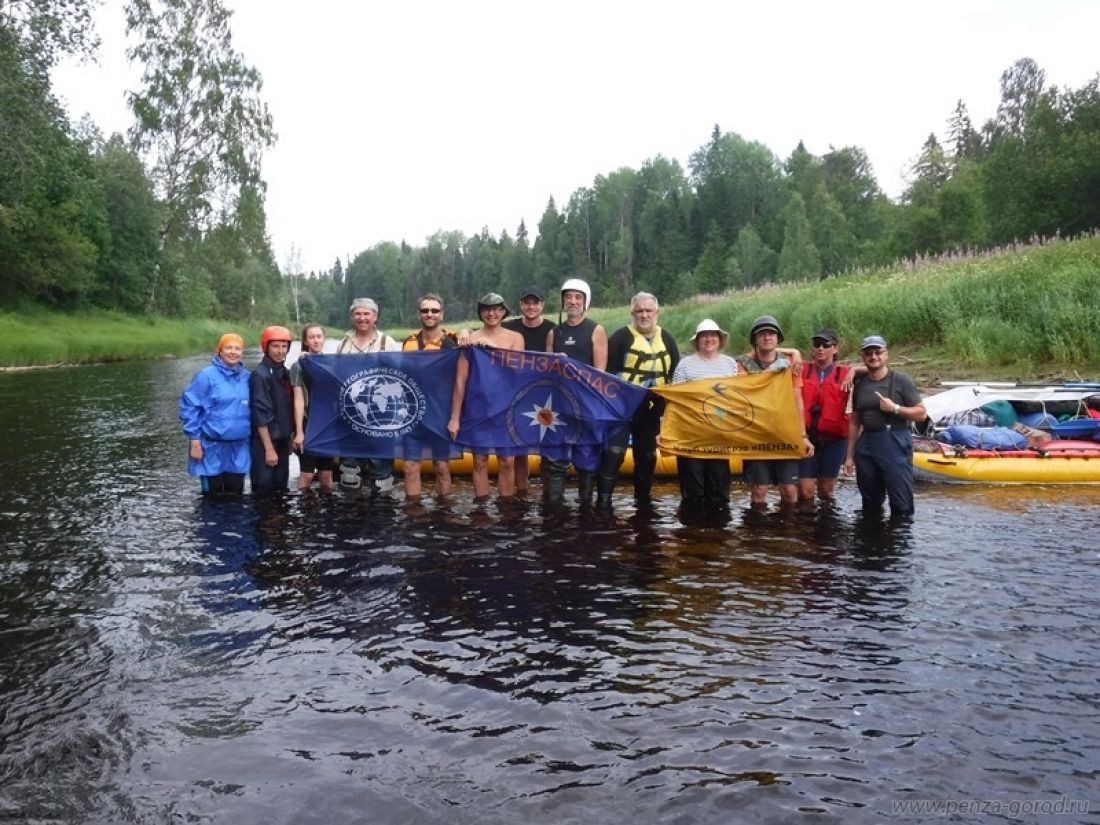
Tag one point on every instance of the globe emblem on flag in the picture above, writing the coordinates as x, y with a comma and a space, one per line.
381, 402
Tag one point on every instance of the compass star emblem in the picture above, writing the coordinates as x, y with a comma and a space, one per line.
544, 417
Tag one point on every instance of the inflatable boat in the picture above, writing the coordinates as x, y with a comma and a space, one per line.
1064, 415
666, 465
1056, 462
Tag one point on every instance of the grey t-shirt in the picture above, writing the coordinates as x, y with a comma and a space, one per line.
897, 386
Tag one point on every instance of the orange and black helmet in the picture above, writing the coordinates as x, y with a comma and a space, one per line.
274, 334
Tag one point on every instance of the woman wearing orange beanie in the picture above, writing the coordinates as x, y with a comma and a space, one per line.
215, 415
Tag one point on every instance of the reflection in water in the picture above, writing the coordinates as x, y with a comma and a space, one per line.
309, 658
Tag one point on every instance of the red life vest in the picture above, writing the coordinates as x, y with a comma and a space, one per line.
828, 398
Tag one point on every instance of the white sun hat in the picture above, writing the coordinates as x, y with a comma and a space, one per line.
709, 325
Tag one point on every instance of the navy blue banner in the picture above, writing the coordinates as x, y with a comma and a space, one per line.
520, 403
397, 405
381, 405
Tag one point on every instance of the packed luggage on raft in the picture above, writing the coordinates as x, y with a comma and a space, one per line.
1012, 434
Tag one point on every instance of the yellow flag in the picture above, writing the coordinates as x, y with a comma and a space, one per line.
746, 416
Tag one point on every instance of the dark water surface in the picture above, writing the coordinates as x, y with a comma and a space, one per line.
166, 659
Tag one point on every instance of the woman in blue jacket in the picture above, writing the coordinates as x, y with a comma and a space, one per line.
215, 415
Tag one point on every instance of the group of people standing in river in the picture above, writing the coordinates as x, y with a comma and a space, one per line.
856, 418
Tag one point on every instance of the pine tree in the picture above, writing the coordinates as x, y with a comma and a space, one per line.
832, 236
799, 259
711, 276
965, 142
930, 173
756, 261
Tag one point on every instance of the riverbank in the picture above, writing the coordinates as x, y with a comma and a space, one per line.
1028, 313
38, 338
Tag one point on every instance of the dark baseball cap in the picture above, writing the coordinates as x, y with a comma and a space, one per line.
532, 292
827, 334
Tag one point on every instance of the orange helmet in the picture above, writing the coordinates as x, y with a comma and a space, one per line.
274, 334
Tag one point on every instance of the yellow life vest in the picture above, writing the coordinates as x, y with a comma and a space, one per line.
647, 362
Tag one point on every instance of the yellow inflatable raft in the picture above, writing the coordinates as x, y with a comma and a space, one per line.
666, 465
1058, 462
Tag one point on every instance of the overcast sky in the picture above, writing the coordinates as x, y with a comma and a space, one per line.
399, 119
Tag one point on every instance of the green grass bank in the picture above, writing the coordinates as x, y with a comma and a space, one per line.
1025, 313
41, 338
1022, 314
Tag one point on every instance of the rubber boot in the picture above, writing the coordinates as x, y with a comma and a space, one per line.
644, 466
605, 488
554, 487
586, 481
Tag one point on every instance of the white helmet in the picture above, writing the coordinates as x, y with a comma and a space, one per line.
577, 285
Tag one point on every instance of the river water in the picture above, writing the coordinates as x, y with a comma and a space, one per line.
332, 660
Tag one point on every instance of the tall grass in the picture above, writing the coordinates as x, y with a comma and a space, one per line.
1030, 308
38, 337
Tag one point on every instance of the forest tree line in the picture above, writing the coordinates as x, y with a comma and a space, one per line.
170, 218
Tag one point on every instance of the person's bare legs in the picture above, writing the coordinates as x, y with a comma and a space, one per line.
413, 485
523, 477
506, 476
806, 487
759, 495
442, 478
481, 476
788, 494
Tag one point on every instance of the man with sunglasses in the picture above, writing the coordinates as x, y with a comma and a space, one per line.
824, 404
430, 336
880, 443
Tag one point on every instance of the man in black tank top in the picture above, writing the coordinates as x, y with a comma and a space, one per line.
534, 328
586, 341
531, 324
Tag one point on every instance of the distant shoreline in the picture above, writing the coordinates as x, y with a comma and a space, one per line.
29, 367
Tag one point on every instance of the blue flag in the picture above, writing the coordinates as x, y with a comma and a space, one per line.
381, 405
520, 403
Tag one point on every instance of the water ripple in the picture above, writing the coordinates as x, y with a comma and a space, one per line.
311, 658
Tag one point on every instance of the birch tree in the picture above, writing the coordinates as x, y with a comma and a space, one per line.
200, 121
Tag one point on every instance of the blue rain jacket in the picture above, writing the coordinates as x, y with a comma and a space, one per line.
214, 409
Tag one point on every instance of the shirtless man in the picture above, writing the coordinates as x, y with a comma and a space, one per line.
492, 310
